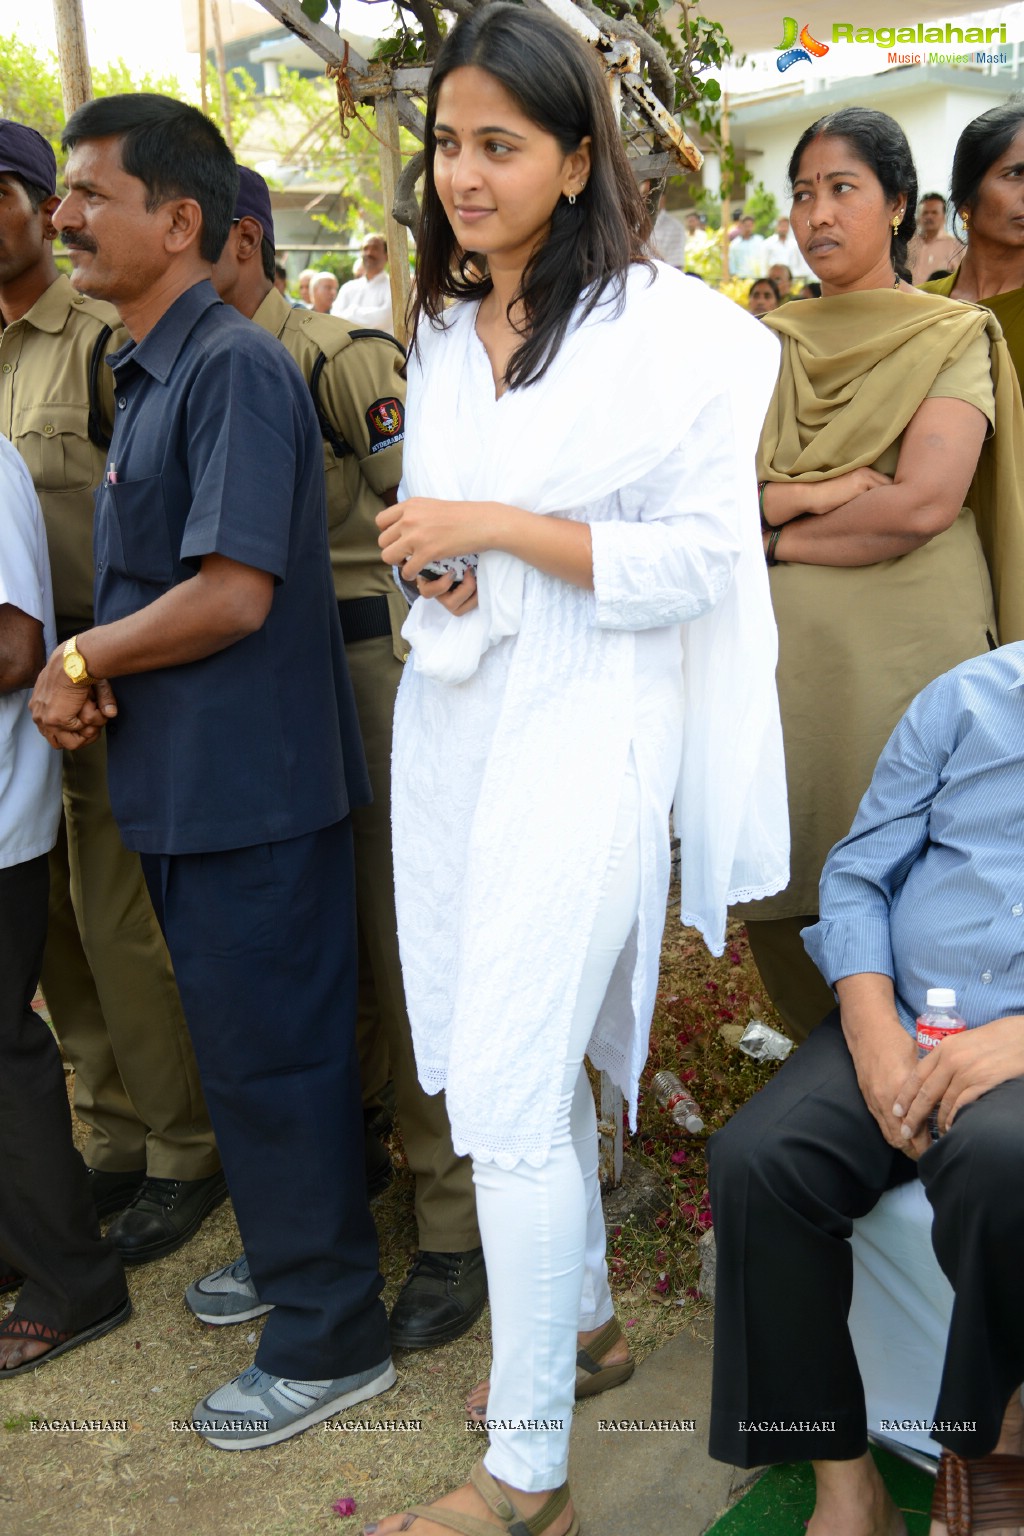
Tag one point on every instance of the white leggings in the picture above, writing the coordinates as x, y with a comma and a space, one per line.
543, 1228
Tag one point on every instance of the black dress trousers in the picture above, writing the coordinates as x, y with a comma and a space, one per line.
263, 942
788, 1175
48, 1227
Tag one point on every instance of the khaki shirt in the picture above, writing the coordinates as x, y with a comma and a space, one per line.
44, 411
362, 394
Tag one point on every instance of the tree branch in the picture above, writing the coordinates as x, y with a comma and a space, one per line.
405, 209
424, 12
663, 80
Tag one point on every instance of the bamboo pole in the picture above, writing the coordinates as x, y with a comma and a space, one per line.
204, 93
75, 78
222, 76
396, 235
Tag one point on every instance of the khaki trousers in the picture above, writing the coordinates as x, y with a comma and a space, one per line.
111, 993
801, 996
445, 1200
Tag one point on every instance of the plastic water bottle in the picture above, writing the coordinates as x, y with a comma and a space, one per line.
681, 1105
939, 1020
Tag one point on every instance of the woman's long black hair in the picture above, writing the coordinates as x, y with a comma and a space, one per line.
882, 145
981, 144
558, 83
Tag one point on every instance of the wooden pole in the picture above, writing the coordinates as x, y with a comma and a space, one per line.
222, 76
396, 235
75, 79
204, 94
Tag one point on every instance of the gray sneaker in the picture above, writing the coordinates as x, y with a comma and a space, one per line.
226, 1296
259, 1409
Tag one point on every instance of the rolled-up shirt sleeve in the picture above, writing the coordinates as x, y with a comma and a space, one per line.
864, 872
670, 555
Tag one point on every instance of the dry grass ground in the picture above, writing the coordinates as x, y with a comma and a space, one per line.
150, 1480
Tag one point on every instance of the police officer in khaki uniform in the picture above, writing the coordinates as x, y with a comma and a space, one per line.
106, 973
358, 389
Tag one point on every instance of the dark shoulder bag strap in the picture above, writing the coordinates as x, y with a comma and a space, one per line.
98, 435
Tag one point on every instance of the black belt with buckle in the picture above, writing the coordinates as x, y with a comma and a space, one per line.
363, 618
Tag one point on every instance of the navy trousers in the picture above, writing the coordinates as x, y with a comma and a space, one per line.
263, 942
788, 1174
48, 1227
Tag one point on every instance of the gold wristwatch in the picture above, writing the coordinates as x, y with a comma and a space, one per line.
74, 663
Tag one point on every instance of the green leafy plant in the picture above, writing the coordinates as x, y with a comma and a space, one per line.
764, 207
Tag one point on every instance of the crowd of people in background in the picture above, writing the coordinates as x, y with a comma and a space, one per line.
345, 698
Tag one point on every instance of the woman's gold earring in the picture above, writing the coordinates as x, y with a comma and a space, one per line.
897, 221
965, 218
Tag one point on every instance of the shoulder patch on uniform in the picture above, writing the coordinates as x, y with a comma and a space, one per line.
386, 421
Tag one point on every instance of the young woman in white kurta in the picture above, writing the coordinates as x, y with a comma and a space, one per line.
585, 420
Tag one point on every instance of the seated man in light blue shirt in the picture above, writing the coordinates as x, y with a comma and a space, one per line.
926, 890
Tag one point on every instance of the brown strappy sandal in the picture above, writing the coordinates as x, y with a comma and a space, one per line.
591, 1376
983, 1494
493, 1495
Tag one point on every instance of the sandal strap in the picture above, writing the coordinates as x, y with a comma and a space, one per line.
516, 1523
450, 1520
982, 1494
590, 1358
14, 1327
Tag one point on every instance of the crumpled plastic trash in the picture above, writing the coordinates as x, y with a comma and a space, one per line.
763, 1043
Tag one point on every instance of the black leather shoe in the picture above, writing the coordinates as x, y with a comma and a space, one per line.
111, 1192
164, 1214
443, 1295
379, 1167
381, 1119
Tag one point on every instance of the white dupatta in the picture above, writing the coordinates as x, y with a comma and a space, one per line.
578, 436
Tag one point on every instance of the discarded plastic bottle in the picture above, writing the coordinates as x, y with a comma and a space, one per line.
680, 1104
939, 1020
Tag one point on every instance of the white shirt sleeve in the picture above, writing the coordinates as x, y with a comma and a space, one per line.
670, 556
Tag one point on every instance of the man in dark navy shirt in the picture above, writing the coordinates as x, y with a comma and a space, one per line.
234, 752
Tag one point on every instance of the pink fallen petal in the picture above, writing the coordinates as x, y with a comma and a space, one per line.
344, 1507
679, 1156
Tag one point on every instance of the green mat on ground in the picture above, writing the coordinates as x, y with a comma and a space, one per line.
780, 1502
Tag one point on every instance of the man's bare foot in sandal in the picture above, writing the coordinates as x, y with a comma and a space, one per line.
852, 1500
19, 1351
485, 1507
603, 1360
